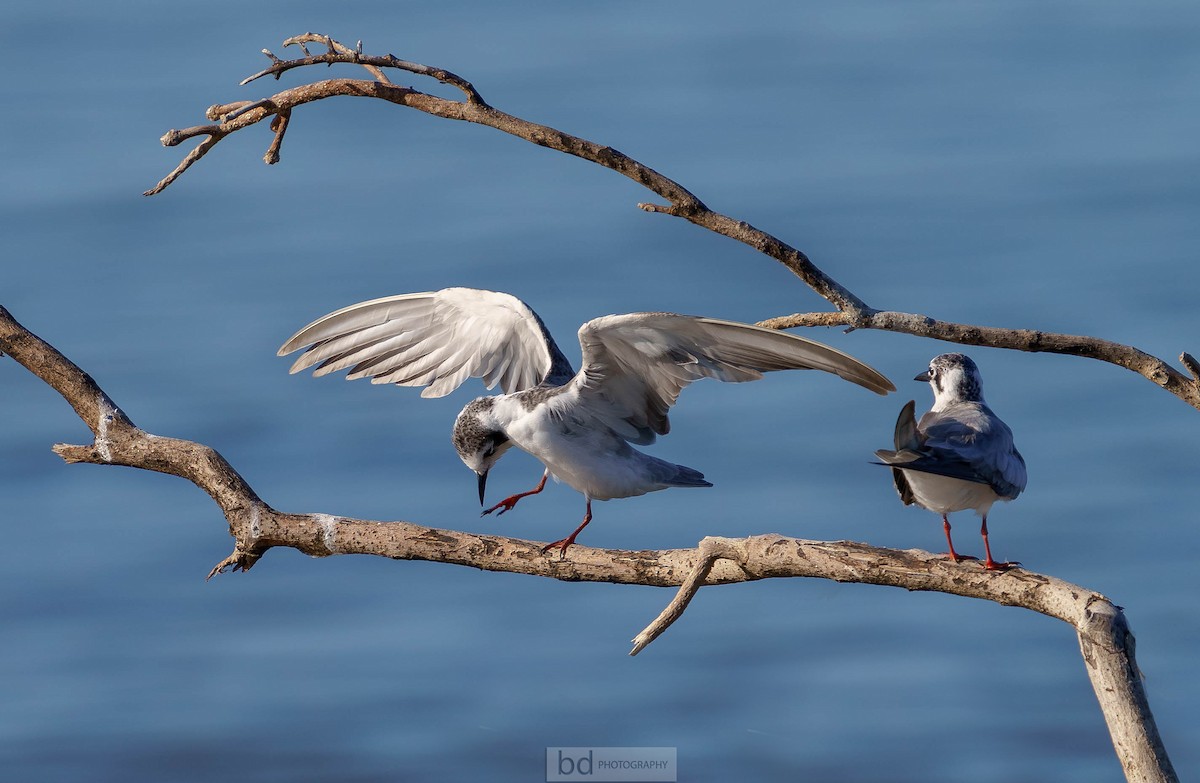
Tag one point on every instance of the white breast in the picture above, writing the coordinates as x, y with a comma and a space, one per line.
589, 458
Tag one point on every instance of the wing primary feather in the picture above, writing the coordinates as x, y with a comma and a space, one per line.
635, 365
436, 339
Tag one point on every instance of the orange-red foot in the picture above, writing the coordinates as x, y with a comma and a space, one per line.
561, 545
505, 505
956, 557
992, 565
510, 501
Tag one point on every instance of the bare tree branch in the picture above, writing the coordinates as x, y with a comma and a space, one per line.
1029, 340
852, 311
1104, 637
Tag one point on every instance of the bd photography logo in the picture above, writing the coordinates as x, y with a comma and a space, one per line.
647, 765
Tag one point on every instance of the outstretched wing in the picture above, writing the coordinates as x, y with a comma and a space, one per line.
635, 365
436, 339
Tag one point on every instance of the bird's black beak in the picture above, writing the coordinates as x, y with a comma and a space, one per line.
923, 377
482, 485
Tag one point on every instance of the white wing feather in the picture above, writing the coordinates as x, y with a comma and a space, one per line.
635, 365
436, 339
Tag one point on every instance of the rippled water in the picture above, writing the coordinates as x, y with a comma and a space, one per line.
1018, 164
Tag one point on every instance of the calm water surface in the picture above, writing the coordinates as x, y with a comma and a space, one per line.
1019, 164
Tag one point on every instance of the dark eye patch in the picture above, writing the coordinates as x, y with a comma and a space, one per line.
493, 442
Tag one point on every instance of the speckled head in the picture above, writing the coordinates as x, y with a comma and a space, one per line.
954, 377
479, 439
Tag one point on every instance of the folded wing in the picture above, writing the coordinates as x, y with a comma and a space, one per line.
635, 365
969, 443
972, 435
436, 339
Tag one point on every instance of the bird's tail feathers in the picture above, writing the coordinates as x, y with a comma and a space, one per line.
682, 476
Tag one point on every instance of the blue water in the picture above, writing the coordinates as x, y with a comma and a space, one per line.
1024, 164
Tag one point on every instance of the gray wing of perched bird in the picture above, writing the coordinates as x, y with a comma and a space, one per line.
965, 441
635, 365
436, 339
969, 434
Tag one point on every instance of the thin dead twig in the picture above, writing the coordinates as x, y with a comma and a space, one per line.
1028, 340
710, 551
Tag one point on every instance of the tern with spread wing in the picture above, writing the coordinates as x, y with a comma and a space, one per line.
579, 425
960, 455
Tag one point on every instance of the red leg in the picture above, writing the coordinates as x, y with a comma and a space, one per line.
955, 556
991, 564
563, 543
508, 503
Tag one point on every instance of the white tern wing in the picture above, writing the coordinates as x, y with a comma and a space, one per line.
436, 339
635, 365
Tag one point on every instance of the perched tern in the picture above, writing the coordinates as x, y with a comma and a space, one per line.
960, 455
579, 425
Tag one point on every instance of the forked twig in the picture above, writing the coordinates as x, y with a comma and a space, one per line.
279, 125
711, 550
336, 53
198, 152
